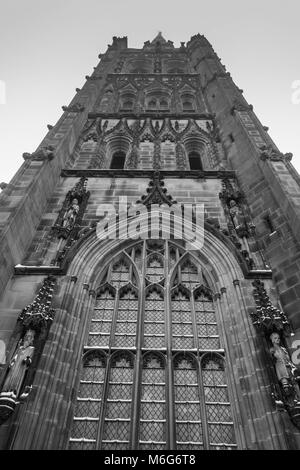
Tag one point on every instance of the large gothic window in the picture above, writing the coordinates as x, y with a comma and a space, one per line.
153, 374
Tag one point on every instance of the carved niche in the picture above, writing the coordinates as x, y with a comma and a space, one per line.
71, 213
29, 339
274, 327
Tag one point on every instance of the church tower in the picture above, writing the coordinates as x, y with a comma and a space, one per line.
150, 267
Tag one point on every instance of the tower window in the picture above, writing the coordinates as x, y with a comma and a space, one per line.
195, 161
118, 160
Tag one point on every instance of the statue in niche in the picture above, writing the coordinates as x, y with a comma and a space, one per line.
70, 215
237, 218
285, 369
19, 365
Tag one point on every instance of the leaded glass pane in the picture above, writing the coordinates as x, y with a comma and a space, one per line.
119, 274
187, 404
155, 268
152, 430
182, 327
154, 324
125, 332
189, 275
207, 330
88, 405
116, 432
220, 425
100, 326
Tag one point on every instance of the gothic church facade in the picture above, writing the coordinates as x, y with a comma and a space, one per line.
138, 339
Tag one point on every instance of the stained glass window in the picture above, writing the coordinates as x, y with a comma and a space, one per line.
155, 362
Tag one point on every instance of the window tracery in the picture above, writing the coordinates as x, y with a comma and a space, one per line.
153, 318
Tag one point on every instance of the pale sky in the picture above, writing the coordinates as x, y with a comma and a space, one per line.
47, 48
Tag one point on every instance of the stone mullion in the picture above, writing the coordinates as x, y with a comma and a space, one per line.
171, 437
256, 398
137, 387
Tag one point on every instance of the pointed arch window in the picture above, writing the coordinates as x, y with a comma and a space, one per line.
153, 376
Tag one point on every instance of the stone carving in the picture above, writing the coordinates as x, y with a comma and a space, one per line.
285, 369
18, 366
241, 105
72, 210
74, 108
42, 154
70, 215
272, 154
156, 192
237, 218
267, 317
273, 323
91, 136
34, 322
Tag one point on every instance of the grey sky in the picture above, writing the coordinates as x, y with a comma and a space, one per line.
47, 48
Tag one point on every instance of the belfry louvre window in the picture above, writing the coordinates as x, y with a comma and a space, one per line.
153, 373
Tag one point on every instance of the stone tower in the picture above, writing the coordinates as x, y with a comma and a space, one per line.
117, 331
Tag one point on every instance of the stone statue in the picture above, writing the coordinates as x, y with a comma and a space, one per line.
19, 365
284, 367
236, 215
70, 215
2, 352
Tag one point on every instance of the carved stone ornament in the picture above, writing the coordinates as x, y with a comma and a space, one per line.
274, 324
42, 154
34, 321
74, 108
39, 313
157, 192
241, 105
267, 317
269, 153
72, 210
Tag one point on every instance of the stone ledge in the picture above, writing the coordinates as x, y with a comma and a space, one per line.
132, 173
